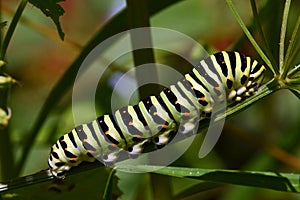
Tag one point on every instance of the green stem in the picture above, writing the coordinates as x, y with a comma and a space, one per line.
138, 17
1, 28
264, 91
6, 155
250, 37
295, 91
288, 57
294, 71
6, 150
12, 28
295, 81
266, 45
108, 187
293, 54
282, 34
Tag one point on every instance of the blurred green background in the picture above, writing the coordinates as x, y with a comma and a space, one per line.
259, 138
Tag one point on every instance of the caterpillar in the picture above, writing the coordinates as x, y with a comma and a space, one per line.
155, 120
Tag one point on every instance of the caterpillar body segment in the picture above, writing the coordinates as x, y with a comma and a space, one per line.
154, 121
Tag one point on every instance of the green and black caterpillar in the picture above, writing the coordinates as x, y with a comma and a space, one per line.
154, 121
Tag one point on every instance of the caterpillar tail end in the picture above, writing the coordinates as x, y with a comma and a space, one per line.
58, 171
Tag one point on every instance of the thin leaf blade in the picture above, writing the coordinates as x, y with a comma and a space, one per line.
267, 180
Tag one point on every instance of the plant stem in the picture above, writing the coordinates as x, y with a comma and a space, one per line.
294, 54
1, 26
262, 35
108, 187
288, 57
295, 81
12, 28
6, 149
265, 90
293, 71
6, 155
138, 17
282, 34
250, 37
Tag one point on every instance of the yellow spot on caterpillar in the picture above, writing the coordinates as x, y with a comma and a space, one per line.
124, 111
217, 88
176, 102
74, 159
155, 113
202, 99
114, 145
130, 123
106, 133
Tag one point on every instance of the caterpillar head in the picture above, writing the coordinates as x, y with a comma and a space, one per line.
250, 83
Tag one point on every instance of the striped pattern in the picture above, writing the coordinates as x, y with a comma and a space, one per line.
154, 121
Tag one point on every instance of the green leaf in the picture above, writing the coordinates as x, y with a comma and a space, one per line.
268, 180
51, 9
201, 187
